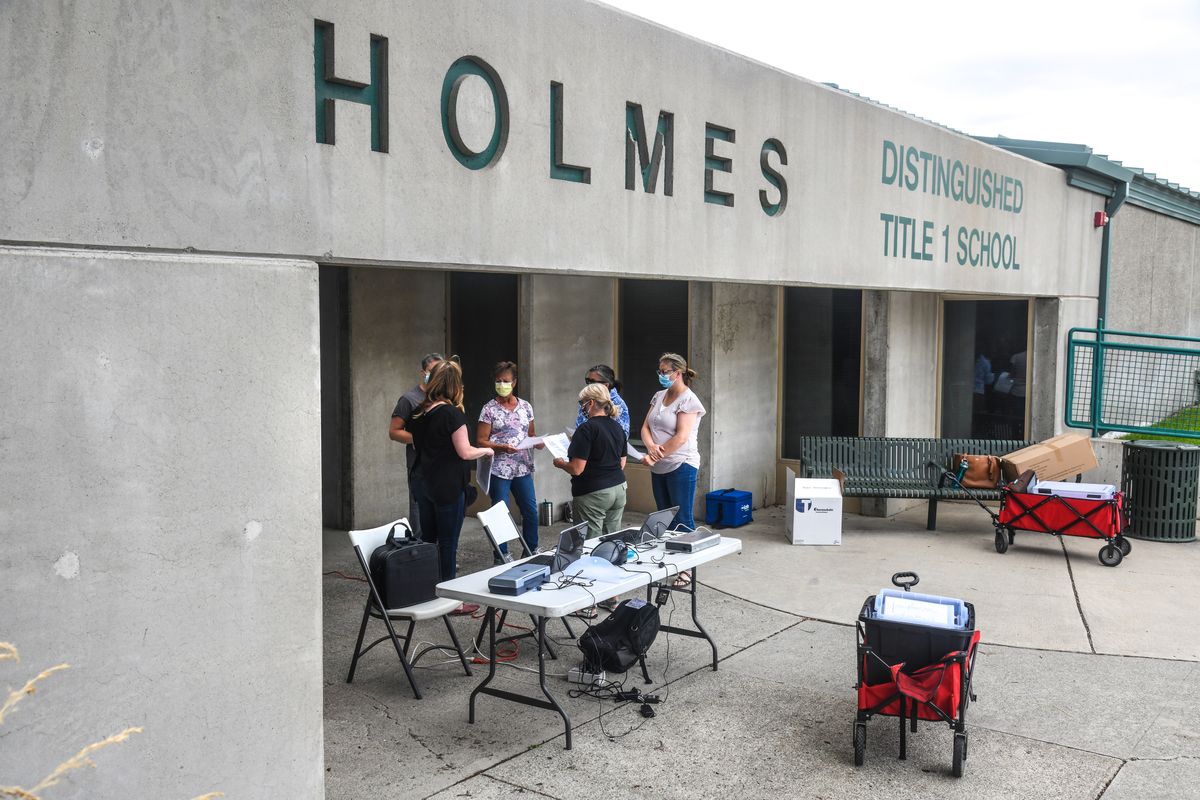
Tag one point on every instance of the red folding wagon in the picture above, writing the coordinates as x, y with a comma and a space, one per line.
1059, 515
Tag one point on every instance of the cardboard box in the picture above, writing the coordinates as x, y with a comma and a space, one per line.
814, 510
1063, 456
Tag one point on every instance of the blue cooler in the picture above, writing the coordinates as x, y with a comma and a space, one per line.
728, 507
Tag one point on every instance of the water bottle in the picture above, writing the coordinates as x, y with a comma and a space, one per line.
962, 470
546, 513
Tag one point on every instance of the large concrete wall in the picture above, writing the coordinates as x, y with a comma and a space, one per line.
396, 317
161, 514
743, 404
1154, 279
183, 125
1153, 289
567, 325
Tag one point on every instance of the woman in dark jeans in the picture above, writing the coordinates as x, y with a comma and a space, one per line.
443, 448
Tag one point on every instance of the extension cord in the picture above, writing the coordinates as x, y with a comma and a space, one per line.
581, 675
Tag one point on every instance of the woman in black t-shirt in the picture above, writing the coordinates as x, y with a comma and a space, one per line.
443, 448
596, 463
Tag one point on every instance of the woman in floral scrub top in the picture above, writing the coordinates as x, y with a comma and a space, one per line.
504, 422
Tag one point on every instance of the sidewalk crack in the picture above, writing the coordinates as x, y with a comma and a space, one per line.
1111, 778
1075, 590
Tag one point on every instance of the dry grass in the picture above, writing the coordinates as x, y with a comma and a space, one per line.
17, 695
8, 652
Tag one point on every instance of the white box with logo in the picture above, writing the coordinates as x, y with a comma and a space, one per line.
814, 510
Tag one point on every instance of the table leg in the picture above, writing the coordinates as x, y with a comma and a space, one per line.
549, 703
489, 620
541, 632
700, 632
696, 619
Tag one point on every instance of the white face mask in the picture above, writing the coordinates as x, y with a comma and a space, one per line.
425, 377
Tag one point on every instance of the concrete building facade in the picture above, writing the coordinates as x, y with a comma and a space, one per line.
228, 233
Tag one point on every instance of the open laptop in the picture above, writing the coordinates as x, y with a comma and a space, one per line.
653, 528
569, 550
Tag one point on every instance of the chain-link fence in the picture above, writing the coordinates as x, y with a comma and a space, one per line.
1134, 382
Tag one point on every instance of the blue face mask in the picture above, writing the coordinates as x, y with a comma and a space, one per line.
664, 381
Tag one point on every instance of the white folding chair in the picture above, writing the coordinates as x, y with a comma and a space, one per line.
500, 529
364, 543
499, 526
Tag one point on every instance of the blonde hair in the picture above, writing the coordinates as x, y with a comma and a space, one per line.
679, 363
445, 384
598, 393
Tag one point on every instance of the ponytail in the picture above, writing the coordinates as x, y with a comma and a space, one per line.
679, 363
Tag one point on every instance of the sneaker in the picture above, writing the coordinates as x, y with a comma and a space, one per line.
464, 610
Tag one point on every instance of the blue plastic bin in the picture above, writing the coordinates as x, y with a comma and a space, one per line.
728, 507
955, 611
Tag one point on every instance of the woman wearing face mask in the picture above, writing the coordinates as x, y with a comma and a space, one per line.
669, 434
596, 463
603, 374
504, 422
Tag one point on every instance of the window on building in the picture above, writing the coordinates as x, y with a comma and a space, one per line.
822, 358
984, 368
480, 336
653, 320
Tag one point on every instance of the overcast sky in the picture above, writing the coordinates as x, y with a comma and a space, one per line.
1123, 78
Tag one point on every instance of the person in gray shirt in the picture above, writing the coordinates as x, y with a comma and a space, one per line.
402, 415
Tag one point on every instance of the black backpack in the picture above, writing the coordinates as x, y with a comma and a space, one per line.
405, 571
616, 643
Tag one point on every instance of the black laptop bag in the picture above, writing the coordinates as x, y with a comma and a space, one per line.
616, 643
405, 571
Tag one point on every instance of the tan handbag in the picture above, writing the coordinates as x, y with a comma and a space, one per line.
983, 472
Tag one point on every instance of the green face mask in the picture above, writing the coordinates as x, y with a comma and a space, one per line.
503, 388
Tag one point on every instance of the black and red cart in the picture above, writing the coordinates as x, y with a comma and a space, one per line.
1060, 515
914, 671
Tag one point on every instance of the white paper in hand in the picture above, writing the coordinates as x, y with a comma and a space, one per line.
483, 472
557, 445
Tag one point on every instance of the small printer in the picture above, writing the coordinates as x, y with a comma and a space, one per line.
519, 579
692, 542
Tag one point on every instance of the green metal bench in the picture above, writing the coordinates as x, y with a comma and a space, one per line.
877, 466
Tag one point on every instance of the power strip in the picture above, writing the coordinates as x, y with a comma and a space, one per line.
581, 675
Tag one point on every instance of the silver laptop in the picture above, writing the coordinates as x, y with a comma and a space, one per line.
653, 528
569, 550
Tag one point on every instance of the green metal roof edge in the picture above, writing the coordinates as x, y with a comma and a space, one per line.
1096, 173
1063, 154
1149, 192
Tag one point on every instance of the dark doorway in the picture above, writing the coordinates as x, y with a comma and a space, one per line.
653, 321
335, 395
483, 331
822, 359
984, 368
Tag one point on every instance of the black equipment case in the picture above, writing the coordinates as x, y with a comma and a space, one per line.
405, 571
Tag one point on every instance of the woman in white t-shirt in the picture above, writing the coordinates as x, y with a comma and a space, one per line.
669, 434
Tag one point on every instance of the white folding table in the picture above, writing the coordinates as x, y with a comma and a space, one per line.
656, 565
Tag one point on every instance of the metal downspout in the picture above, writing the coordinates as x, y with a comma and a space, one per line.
1120, 195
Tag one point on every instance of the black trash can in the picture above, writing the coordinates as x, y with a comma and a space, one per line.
1159, 481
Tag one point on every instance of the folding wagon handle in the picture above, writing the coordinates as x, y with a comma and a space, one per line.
906, 580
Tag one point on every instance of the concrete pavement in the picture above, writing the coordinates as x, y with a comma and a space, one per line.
1088, 681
